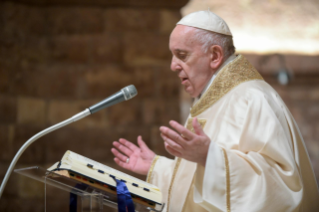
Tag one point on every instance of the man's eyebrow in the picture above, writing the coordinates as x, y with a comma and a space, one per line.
180, 51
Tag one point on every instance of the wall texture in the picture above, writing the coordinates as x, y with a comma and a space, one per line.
59, 57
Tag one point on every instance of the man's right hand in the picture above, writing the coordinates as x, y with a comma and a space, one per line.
140, 158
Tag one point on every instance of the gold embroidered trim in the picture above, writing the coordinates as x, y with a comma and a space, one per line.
178, 161
227, 181
190, 127
234, 73
150, 172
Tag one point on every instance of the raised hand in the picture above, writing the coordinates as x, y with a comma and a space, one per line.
131, 157
186, 144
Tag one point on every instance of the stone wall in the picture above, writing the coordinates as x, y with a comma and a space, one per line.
60, 57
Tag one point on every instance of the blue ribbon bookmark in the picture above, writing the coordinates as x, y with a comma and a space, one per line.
124, 199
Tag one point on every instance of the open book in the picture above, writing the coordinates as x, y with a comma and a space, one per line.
100, 176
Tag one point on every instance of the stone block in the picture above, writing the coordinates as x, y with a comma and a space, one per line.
133, 131
22, 53
307, 130
12, 189
298, 113
35, 153
4, 80
7, 133
303, 63
146, 49
177, 4
29, 188
70, 49
8, 109
169, 83
126, 113
22, 205
272, 63
102, 81
49, 81
65, 139
106, 48
62, 110
31, 111
21, 19
101, 142
160, 111
74, 20
132, 19
314, 93
316, 131
312, 112
92, 143
303, 92
168, 20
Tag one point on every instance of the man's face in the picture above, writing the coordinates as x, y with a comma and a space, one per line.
189, 60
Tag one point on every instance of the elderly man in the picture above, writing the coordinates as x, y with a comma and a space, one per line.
240, 149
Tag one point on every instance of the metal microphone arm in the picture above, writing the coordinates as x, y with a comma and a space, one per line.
126, 93
74, 118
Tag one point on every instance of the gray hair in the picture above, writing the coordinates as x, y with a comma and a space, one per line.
208, 38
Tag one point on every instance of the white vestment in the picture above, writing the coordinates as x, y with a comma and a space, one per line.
257, 159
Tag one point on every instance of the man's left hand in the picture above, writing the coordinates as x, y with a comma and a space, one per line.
186, 144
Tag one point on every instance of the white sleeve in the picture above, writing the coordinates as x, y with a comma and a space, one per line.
160, 174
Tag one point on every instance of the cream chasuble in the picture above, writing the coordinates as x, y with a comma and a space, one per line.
256, 160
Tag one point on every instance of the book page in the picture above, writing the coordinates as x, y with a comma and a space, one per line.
96, 165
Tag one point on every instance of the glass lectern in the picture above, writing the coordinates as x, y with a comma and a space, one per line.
82, 197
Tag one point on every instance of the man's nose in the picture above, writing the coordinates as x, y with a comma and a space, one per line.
174, 65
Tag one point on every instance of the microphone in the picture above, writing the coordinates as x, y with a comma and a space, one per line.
124, 94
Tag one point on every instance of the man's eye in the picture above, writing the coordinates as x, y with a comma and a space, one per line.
182, 56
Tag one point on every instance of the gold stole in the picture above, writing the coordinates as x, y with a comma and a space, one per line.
233, 74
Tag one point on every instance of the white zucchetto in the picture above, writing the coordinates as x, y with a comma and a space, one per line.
206, 20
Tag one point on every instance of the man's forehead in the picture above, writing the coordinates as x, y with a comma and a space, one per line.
182, 38
181, 30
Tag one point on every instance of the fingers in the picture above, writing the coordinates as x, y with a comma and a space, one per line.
128, 144
171, 151
197, 127
182, 130
122, 148
172, 135
119, 155
121, 163
172, 144
141, 143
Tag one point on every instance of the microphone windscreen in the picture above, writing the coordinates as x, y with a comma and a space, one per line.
129, 92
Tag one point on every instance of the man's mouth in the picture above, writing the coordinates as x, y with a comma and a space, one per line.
184, 80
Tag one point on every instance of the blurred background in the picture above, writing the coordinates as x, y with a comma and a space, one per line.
59, 57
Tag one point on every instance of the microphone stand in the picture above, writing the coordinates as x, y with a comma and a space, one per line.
124, 94
74, 118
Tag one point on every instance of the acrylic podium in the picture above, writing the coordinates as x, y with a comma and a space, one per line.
82, 197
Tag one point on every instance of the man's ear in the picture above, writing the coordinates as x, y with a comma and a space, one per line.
216, 56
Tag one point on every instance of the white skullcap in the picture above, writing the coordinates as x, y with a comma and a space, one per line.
206, 20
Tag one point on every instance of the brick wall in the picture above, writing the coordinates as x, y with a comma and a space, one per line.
58, 58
